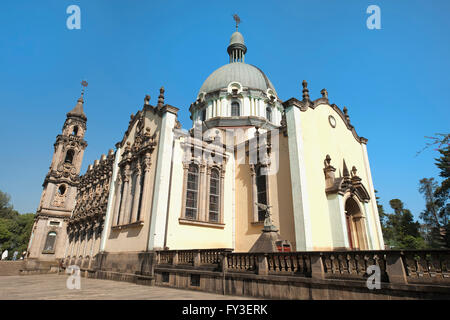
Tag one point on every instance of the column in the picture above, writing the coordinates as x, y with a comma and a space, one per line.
373, 203
201, 215
118, 197
162, 180
137, 193
126, 186
129, 198
302, 221
109, 214
183, 196
147, 192
254, 193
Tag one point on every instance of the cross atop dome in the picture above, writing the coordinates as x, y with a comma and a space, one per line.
237, 49
237, 19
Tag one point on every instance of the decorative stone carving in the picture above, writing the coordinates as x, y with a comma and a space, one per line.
345, 184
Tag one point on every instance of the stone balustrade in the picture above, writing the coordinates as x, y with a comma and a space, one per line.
396, 266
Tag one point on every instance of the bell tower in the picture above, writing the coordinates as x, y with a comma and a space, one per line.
48, 238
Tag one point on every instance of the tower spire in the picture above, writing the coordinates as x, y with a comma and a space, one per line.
78, 111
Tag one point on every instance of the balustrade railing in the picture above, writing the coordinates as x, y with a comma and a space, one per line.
241, 262
399, 266
427, 265
298, 263
352, 263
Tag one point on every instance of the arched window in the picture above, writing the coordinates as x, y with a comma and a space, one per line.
69, 156
235, 109
269, 114
62, 190
261, 191
204, 114
192, 192
50, 242
214, 196
75, 130
140, 197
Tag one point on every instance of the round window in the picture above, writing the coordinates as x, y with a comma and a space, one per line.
332, 121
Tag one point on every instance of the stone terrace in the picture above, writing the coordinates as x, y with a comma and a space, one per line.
53, 286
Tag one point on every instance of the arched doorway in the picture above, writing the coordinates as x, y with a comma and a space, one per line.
356, 231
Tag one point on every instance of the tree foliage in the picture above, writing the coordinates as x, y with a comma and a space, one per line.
401, 231
15, 228
437, 205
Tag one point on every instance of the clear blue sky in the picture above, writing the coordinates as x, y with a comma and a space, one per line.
394, 81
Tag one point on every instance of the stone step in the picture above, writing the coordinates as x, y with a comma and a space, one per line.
10, 268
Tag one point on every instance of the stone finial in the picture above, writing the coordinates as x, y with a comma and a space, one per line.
347, 117
354, 171
345, 172
96, 162
147, 100
324, 93
103, 157
110, 152
161, 98
305, 90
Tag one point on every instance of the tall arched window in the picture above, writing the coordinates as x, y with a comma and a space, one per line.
204, 114
69, 156
235, 109
269, 114
261, 191
50, 241
75, 130
140, 197
214, 196
192, 192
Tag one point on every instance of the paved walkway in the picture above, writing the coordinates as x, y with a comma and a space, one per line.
52, 286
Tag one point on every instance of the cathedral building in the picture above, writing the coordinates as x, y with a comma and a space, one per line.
249, 152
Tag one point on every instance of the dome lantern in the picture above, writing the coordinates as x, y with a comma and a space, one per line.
237, 49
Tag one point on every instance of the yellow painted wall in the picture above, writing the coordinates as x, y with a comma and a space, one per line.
320, 139
280, 198
183, 236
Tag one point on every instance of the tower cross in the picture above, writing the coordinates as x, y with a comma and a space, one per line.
237, 19
84, 84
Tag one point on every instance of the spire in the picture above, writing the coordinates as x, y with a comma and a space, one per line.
237, 49
78, 111
345, 172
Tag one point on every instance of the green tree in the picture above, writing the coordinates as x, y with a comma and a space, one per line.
15, 228
433, 216
401, 231
6, 208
